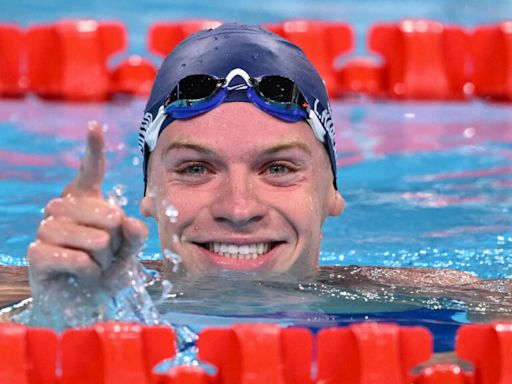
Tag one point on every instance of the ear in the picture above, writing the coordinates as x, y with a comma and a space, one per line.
147, 206
336, 203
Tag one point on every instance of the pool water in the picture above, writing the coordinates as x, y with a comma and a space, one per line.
426, 185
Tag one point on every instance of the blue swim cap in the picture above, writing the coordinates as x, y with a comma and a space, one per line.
217, 52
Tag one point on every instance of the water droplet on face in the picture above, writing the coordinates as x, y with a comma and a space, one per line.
174, 258
172, 213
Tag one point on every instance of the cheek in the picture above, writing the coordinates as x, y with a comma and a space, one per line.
306, 208
178, 210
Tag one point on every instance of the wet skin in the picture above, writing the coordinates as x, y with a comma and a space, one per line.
252, 192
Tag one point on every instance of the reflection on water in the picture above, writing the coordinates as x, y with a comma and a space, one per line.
337, 291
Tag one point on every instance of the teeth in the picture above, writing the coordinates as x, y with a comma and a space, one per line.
240, 252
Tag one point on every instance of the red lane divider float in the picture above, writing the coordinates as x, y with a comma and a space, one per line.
27, 355
258, 353
364, 353
423, 59
187, 374
11, 49
360, 75
108, 353
164, 36
368, 353
134, 76
323, 42
444, 374
489, 348
68, 59
492, 60
112, 353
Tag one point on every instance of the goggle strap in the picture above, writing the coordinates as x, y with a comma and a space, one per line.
153, 129
316, 126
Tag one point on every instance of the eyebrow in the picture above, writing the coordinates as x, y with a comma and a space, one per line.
290, 145
295, 144
188, 145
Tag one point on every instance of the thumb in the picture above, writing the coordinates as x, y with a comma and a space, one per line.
90, 176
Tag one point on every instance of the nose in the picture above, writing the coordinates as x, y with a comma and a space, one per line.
236, 203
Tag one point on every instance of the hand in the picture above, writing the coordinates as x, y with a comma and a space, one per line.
82, 235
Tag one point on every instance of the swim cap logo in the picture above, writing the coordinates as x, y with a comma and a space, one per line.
147, 120
325, 118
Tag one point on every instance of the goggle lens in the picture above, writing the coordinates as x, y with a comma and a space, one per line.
193, 88
279, 89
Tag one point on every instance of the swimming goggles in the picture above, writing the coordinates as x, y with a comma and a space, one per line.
198, 94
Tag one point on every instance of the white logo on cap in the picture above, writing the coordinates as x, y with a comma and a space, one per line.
326, 120
144, 125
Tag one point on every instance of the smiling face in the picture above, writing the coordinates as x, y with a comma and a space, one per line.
251, 191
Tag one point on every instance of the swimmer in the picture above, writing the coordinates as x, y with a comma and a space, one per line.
237, 138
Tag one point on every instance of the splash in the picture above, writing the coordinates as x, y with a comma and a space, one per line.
172, 213
166, 291
173, 258
68, 302
117, 197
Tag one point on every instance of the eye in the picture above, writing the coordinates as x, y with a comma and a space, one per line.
278, 169
193, 169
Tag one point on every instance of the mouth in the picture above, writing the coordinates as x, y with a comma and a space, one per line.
241, 257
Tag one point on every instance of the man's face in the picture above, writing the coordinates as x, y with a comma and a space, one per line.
251, 192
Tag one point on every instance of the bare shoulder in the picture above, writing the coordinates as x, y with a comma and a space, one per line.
13, 285
418, 277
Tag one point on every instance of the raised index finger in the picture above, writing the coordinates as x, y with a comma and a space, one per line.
90, 176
